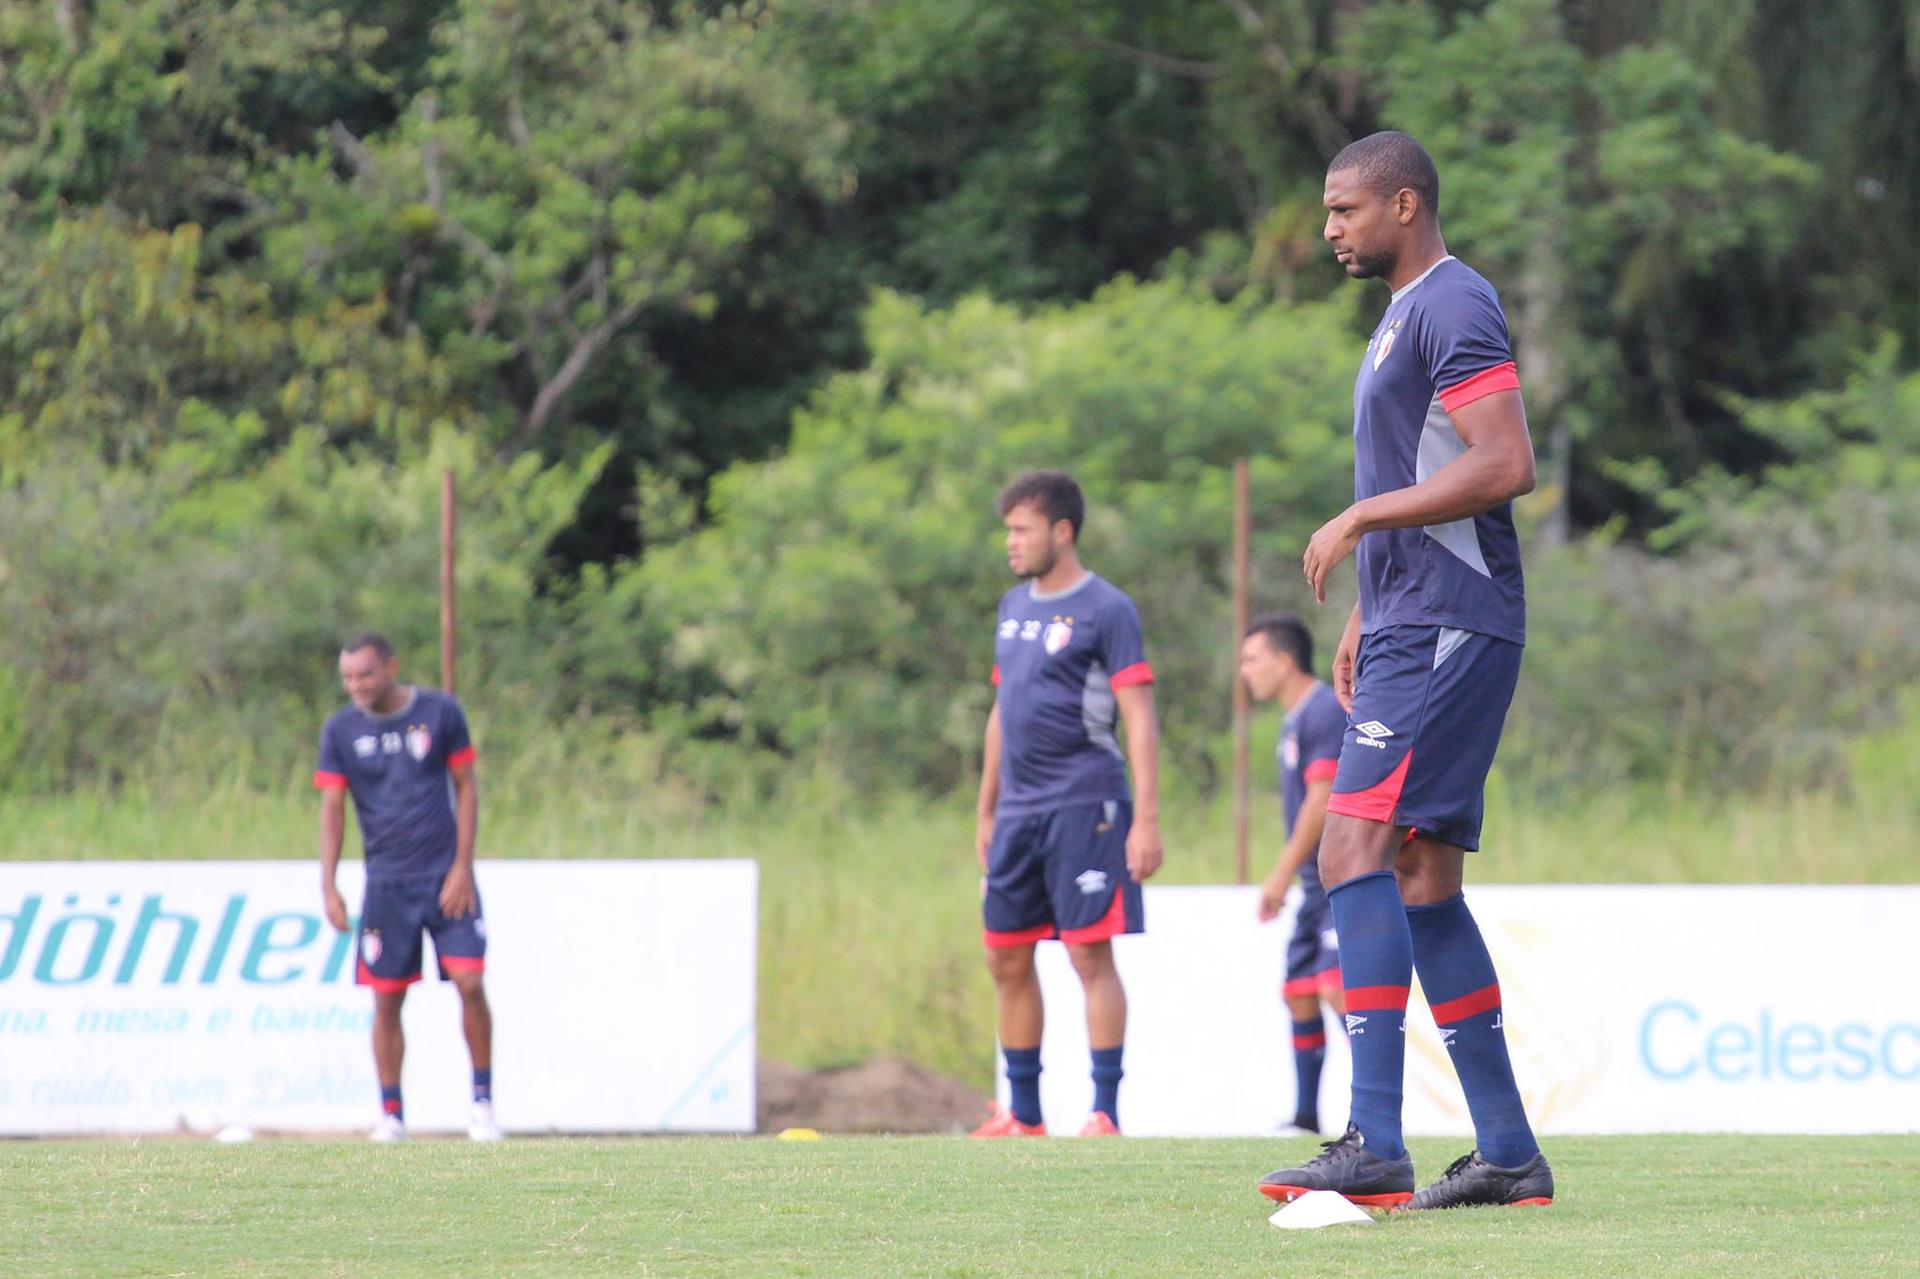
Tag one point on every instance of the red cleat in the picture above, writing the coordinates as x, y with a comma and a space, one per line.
1002, 1124
1100, 1124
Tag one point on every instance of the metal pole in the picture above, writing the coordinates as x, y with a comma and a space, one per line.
448, 644
1242, 535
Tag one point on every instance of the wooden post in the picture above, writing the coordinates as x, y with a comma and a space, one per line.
1242, 535
448, 645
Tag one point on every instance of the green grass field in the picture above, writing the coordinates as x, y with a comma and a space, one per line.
1629, 1206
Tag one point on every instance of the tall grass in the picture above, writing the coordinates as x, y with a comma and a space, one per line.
869, 904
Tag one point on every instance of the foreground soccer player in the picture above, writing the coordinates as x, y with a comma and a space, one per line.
1427, 667
1063, 844
405, 756
1276, 661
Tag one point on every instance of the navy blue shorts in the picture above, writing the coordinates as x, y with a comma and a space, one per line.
1062, 874
1428, 706
1313, 952
394, 914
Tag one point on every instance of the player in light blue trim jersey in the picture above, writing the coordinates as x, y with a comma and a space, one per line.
1062, 840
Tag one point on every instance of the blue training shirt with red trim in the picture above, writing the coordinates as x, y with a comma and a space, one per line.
1441, 345
1057, 660
396, 767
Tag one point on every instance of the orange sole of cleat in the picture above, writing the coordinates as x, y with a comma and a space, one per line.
1531, 1203
1287, 1194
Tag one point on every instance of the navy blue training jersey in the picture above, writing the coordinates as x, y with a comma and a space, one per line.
1441, 345
395, 767
1057, 660
1311, 736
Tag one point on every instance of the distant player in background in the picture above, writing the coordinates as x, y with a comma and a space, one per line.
1276, 661
1427, 668
404, 754
1063, 842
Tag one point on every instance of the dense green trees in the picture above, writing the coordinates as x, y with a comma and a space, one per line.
732, 317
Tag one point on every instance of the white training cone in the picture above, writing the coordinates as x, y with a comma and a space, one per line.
1319, 1208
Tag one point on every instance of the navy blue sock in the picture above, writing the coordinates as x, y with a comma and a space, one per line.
1309, 1054
483, 1083
1457, 975
1023, 1083
1106, 1081
390, 1102
1376, 968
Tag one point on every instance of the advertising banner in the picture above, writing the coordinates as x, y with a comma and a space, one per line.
1763, 1008
189, 996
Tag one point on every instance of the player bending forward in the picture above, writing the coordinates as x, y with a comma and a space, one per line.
405, 756
1061, 841
1427, 667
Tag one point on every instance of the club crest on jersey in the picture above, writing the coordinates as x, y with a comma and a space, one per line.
370, 946
1290, 751
1058, 632
419, 741
1386, 342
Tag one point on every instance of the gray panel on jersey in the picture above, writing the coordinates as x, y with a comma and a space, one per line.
1440, 444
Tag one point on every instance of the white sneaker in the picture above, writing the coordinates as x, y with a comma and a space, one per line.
481, 1125
390, 1128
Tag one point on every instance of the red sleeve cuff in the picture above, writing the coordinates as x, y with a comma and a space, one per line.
1320, 770
996, 674
1128, 676
1501, 377
323, 780
461, 757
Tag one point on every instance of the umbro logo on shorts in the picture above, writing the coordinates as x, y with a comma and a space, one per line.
1370, 734
1091, 882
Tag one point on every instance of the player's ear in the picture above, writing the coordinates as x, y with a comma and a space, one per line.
1406, 206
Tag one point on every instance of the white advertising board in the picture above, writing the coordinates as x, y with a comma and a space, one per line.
1764, 1008
162, 996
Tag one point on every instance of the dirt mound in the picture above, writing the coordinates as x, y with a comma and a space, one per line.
886, 1095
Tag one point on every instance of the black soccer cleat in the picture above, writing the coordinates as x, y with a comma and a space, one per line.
1347, 1168
1471, 1182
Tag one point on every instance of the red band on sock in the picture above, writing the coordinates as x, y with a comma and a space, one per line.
1366, 999
1483, 1000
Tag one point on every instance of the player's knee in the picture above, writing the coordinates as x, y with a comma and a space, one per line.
1429, 872
1352, 847
1303, 1007
471, 986
1010, 964
1092, 960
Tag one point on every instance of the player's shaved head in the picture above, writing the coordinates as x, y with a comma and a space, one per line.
1389, 162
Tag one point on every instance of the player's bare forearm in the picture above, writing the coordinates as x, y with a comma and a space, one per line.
457, 896
989, 787
990, 766
1144, 850
333, 833
1308, 826
466, 816
1143, 748
1346, 658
